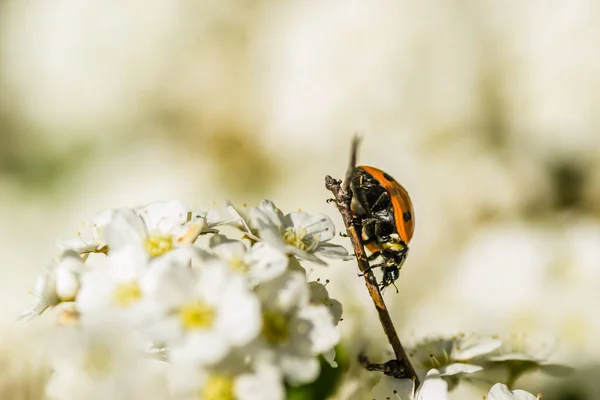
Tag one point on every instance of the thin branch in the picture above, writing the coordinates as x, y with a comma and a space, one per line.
401, 366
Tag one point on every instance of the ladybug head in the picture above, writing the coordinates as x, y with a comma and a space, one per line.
390, 274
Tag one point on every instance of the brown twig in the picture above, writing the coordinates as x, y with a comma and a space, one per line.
401, 366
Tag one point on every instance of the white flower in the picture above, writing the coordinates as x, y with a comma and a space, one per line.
158, 228
262, 262
92, 238
59, 284
451, 356
297, 233
207, 311
295, 330
320, 295
102, 360
230, 380
518, 354
241, 221
501, 392
122, 285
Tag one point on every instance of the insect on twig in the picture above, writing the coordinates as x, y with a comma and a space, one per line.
400, 367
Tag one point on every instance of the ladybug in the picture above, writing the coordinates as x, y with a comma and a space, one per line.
386, 215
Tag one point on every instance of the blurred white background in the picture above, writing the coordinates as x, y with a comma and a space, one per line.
487, 112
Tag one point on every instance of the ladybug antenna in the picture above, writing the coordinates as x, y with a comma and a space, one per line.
326, 282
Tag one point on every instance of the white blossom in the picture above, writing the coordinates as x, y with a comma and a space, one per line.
231, 379
260, 263
295, 330
122, 285
91, 238
298, 233
102, 360
451, 356
157, 228
59, 284
207, 311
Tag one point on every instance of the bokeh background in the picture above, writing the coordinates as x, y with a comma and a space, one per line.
488, 113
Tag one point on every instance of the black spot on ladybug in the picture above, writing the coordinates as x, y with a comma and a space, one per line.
388, 177
406, 216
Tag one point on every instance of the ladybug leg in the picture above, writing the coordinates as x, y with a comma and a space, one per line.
370, 268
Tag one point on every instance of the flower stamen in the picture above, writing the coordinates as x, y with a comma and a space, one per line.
196, 315
126, 294
157, 245
218, 387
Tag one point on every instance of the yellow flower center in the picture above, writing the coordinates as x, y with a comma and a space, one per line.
237, 263
196, 315
127, 294
157, 245
218, 387
98, 360
301, 239
275, 327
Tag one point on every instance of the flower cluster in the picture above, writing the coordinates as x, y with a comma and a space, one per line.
158, 301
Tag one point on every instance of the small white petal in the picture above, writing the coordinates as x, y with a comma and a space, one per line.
331, 250
267, 212
300, 370
458, 368
266, 262
323, 334
501, 392
67, 284
265, 383
240, 319
200, 349
433, 388
476, 348
125, 229
317, 224
163, 216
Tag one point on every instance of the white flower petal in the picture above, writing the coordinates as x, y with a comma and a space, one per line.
458, 368
316, 224
501, 392
163, 216
331, 250
67, 284
476, 348
240, 319
323, 334
267, 212
433, 388
266, 263
125, 229
300, 370
265, 383
285, 292
200, 349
